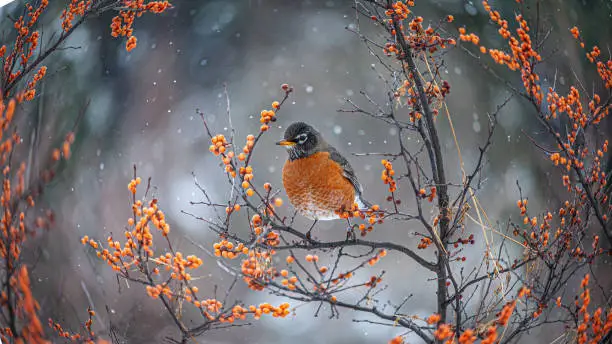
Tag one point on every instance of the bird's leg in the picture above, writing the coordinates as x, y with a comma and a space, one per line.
310, 230
350, 231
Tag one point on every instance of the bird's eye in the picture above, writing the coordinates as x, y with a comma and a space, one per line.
301, 138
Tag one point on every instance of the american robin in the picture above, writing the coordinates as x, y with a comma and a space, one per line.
318, 180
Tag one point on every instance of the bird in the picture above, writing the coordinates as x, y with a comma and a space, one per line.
318, 180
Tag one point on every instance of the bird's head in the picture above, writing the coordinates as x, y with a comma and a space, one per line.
301, 140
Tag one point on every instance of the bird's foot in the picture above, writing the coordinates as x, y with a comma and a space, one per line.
308, 234
350, 234
309, 240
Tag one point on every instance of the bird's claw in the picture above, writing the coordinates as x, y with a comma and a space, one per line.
308, 239
350, 234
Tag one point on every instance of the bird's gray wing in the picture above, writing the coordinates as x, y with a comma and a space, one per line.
347, 170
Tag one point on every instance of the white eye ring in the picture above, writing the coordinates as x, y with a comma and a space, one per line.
301, 138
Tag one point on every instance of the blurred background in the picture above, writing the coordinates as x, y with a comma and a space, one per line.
143, 111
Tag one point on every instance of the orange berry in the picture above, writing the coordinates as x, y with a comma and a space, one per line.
433, 319
250, 192
290, 259
278, 201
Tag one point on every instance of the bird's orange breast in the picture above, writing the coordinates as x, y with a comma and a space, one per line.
316, 186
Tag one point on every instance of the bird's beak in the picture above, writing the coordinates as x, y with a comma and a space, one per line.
285, 143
